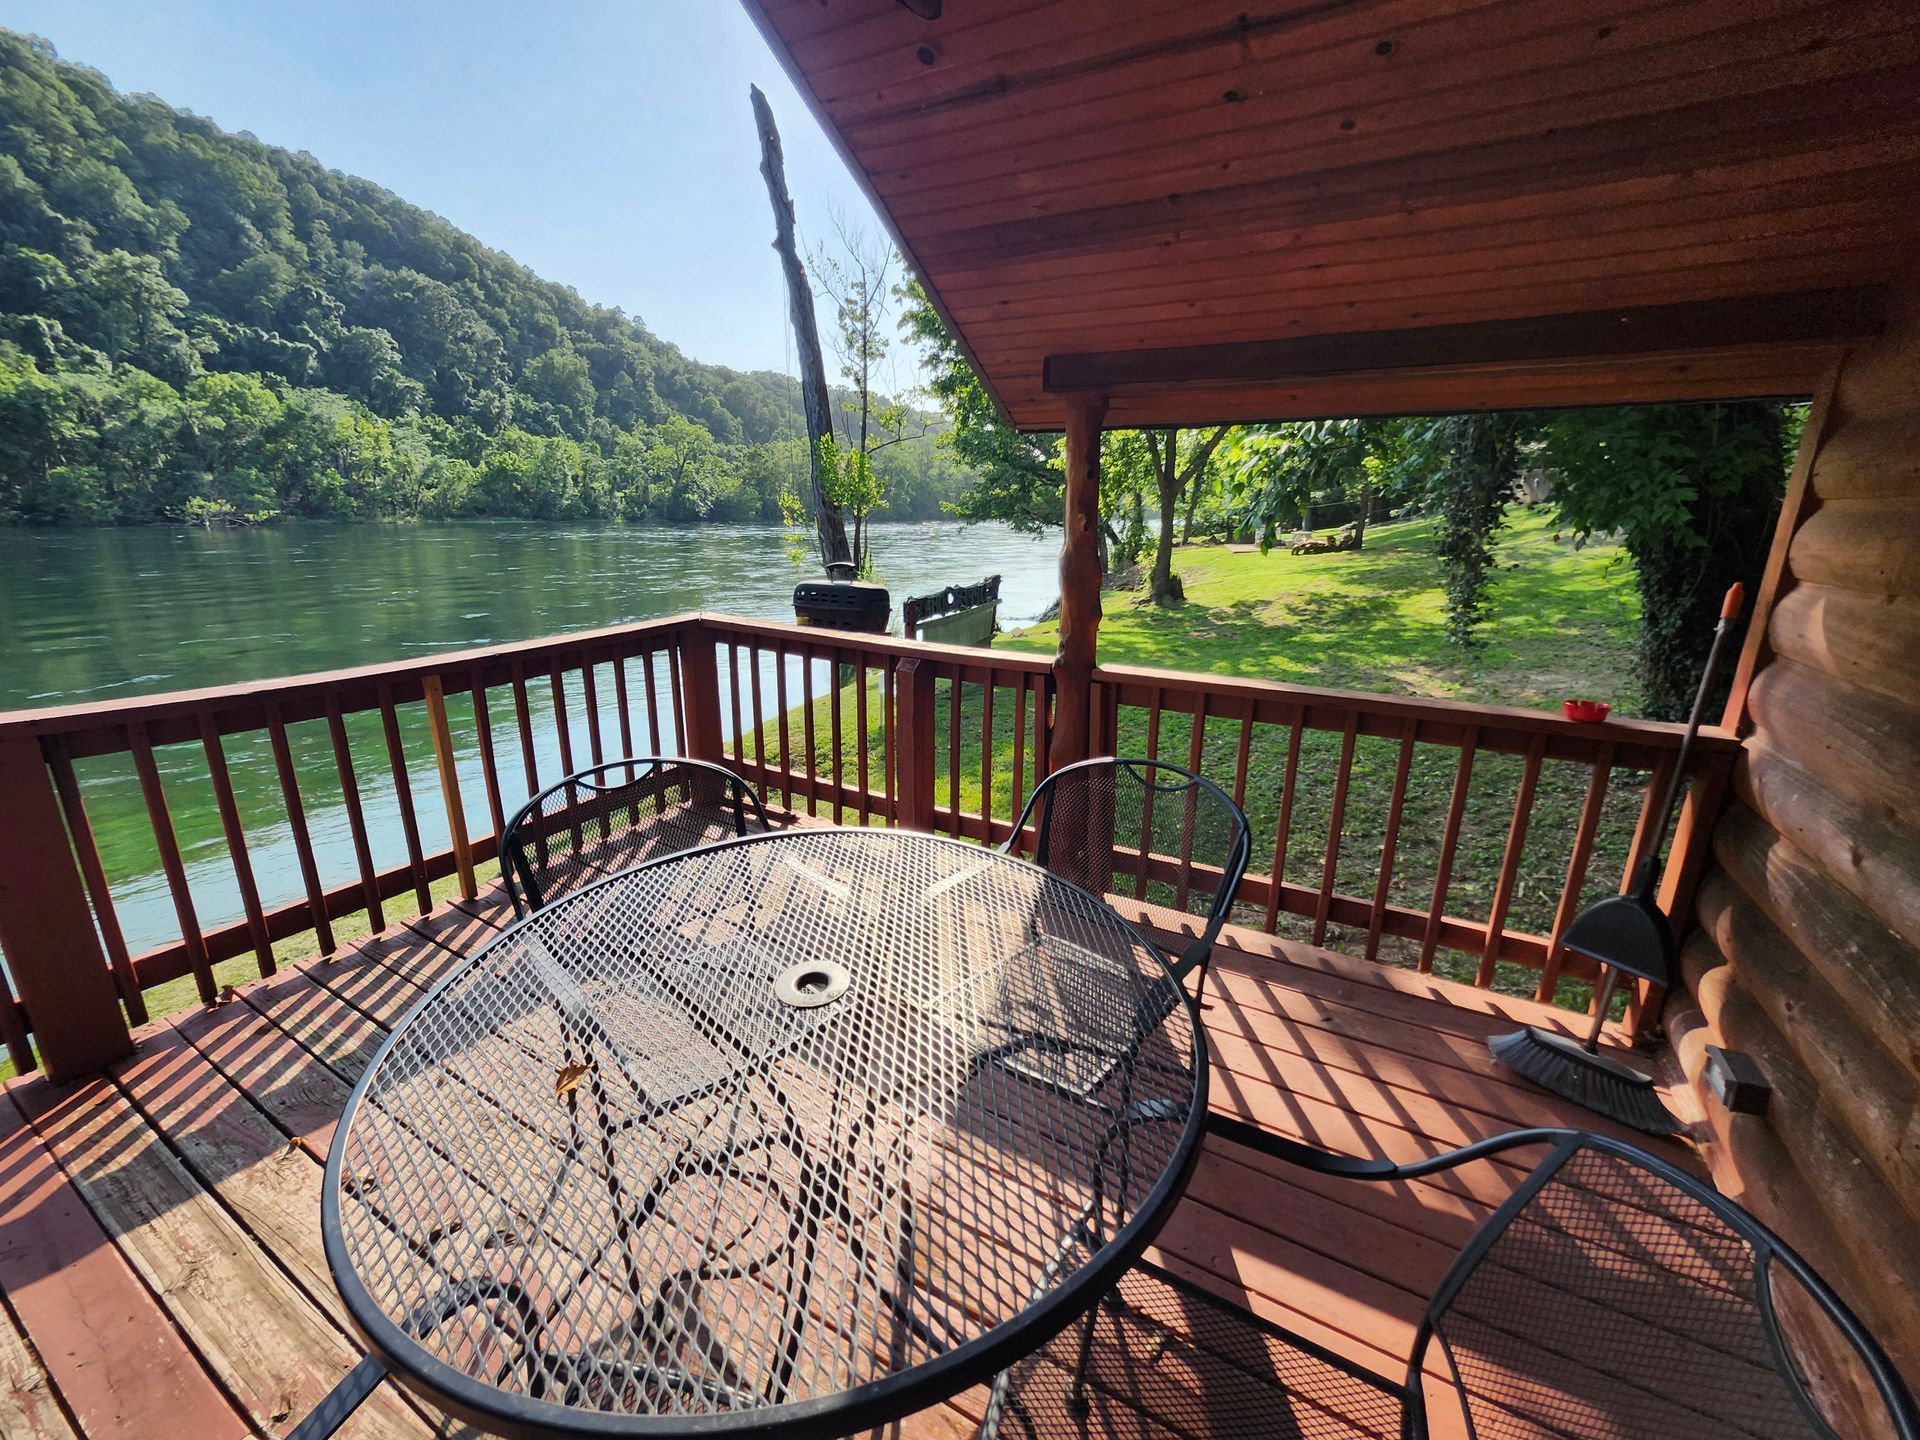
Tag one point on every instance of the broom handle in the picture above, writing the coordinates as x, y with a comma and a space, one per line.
1650, 865
1592, 1047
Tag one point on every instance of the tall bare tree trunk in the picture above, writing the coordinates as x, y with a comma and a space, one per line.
829, 526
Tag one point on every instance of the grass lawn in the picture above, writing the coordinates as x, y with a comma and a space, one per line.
1561, 623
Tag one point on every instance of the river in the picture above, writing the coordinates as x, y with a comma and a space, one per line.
90, 615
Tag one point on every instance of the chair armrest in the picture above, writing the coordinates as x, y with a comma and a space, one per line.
1354, 1167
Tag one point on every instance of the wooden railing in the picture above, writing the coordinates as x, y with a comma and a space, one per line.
287, 778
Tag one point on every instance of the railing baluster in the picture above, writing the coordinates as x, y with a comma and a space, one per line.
986, 758
1020, 680
403, 792
1146, 795
806, 726
591, 690
1510, 860
860, 727
356, 817
297, 824
653, 699
889, 739
953, 750
1396, 803
1283, 823
833, 729
1577, 862
236, 837
786, 738
452, 804
489, 762
1336, 822
1449, 843
759, 714
523, 718
1242, 756
1643, 834
733, 699
562, 728
679, 700
170, 863
1196, 755
67, 786
623, 706
1042, 727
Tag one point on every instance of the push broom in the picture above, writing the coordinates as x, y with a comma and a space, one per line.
1629, 935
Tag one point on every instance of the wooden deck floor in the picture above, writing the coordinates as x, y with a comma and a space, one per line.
160, 1257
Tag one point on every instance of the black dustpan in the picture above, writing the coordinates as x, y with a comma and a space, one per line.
1629, 935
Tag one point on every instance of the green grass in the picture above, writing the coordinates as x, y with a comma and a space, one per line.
1561, 623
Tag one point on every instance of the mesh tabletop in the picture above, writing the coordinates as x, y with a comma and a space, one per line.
797, 1132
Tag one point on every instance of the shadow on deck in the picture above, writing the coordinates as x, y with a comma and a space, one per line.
160, 1251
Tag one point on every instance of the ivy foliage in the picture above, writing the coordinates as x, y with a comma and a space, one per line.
1692, 491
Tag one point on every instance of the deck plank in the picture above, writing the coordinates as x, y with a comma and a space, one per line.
270, 1183
104, 1341
267, 1345
28, 1409
276, 1072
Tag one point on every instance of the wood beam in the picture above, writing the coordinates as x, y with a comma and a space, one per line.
1079, 585
1835, 317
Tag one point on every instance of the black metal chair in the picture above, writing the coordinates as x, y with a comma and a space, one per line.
1156, 831
1611, 1296
609, 817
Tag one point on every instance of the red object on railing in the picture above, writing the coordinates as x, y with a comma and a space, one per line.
1586, 712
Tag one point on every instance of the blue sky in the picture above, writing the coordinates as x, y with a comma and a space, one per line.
607, 144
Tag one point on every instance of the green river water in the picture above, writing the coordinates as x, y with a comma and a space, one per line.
92, 615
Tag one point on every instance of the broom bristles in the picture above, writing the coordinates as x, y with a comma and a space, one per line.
1593, 1082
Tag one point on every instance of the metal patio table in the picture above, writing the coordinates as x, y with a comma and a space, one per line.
795, 1134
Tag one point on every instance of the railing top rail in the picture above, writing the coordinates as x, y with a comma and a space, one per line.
288, 691
1653, 734
971, 656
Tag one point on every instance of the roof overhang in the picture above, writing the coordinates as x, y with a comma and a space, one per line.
1219, 210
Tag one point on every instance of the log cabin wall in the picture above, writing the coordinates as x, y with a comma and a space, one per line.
1807, 955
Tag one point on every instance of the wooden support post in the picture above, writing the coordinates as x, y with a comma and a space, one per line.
1079, 585
914, 738
443, 759
47, 930
700, 690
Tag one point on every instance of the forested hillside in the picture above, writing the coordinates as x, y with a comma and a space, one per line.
197, 325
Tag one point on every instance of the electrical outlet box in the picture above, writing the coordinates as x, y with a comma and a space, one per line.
1737, 1081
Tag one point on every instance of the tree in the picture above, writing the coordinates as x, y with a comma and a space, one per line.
1017, 478
856, 275
1472, 462
829, 530
1173, 474
1694, 491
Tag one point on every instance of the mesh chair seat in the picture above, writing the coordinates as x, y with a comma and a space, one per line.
1173, 1360
1145, 828
1611, 1296
611, 817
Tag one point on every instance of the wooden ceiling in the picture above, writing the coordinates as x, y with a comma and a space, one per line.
1228, 210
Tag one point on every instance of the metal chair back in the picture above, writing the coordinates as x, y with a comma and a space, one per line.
1144, 828
609, 817
1613, 1295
